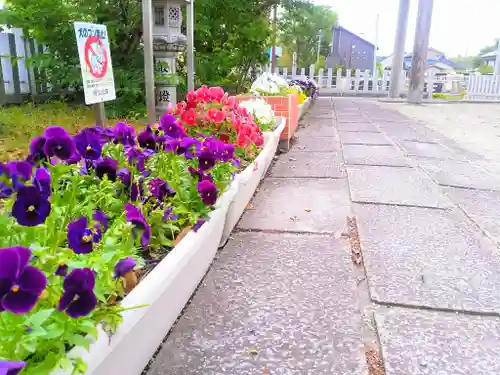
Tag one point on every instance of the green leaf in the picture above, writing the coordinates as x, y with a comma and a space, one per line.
79, 340
38, 318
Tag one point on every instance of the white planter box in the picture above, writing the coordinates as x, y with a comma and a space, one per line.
249, 179
165, 291
304, 107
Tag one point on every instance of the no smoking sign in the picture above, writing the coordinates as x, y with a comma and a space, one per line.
95, 62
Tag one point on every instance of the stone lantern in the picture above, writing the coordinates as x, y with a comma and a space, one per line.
167, 42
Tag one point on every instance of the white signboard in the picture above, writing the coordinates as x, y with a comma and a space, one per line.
95, 61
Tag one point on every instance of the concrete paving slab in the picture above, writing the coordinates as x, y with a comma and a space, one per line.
301, 205
374, 155
482, 206
432, 343
350, 119
388, 185
363, 138
427, 258
430, 150
270, 304
320, 144
460, 174
358, 127
308, 164
316, 129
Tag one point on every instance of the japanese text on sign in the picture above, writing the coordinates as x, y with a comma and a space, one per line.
95, 62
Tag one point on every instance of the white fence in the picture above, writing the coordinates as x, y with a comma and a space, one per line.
472, 87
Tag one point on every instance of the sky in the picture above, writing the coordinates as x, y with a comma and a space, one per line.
458, 26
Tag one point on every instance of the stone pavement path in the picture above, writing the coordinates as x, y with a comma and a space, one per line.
290, 294
428, 217
281, 297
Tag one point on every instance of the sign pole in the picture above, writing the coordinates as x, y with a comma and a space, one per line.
100, 114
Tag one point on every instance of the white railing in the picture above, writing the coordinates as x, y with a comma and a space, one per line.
476, 87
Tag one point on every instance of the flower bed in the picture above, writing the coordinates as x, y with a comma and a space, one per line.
249, 179
85, 217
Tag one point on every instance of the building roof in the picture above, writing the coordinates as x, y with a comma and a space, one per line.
337, 27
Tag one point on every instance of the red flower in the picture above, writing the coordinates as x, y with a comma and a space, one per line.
216, 93
224, 138
191, 97
216, 115
189, 117
243, 140
202, 94
229, 101
259, 139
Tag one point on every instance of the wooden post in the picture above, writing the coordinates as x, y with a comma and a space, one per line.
149, 78
420, 47
190, 44
15, 69
100, 114
399, 49
275, 29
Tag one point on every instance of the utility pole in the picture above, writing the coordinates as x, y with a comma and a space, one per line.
190, 44
275, 28
420, 47
320, 35
375, 72
497, 61
399, 49
149, 78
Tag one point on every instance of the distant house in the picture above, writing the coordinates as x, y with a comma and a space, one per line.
436, 62
490, 58
350, 50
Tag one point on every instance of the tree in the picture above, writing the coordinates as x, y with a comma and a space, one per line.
50, 22
300, 24
231, 38
485, 69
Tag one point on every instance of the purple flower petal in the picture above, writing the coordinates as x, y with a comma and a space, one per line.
21, 169
42, 181
11, 368
82, 304
19, 302
107, 166
80, 237
124, 266
30, 207
88, 144
32, 280
102, 218
79, 279
208, 192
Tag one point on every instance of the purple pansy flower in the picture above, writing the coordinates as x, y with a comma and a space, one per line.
124, 266
30, 208
208, 192
88, 144
161, 189
135, 216
167, 215
61, 270
188, 147
124, 134
42, 182
5, 191
106, 166
172, 145
78, 298
11, 368
75, 158
102, 219
170, 127
37, 152
81, 238
227, 152
146, 139
124, 176
58, 143
206, 160
20, 283
198, 224
22, 169
200, 174
137, 156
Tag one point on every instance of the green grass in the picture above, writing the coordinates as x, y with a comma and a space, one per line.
18, 124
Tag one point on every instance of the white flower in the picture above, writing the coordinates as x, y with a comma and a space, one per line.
260, 109
268, 84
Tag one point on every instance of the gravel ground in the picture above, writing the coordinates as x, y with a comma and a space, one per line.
475, 127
